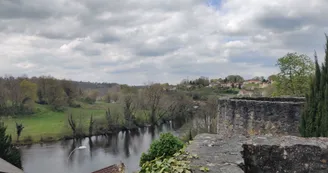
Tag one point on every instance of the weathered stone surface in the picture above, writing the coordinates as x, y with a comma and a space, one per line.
259, 154
218, 154
286, 154
259, 115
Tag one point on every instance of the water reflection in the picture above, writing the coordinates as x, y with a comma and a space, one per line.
101, 151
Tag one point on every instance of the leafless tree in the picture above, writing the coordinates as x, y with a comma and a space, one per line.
208, 113
129, 109
114, 96
156, 103
19, 129
12, 85
72, 124
182, 108
91, 123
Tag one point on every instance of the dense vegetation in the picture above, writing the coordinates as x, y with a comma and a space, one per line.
162, 156
8, 152
294, 76
46, 109
166, 146
168, 154
314, 122
43, 108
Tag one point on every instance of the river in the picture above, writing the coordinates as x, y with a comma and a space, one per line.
100, 152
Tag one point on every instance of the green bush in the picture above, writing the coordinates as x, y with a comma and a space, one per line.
166, 146
166, 165
178, 163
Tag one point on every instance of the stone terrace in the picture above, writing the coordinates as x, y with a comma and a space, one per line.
259, 154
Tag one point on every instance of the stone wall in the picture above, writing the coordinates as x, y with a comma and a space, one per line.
259, 115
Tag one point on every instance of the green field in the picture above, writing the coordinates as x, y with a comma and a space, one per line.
48, 125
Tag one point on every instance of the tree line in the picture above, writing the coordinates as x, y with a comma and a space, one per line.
18, 96
151, 105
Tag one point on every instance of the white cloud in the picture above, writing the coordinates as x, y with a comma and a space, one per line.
135, 41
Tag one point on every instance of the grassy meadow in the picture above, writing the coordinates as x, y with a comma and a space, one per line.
47, 125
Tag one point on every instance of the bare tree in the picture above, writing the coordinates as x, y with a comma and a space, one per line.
112, 119
3, 97
91, 123
181, 108
108, 98
155, 103
114, 96
129, 109
208, 113
91, 96
72, 124
12, 85
71, 91
19, 129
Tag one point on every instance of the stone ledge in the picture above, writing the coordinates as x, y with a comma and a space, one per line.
257, 154
268, 99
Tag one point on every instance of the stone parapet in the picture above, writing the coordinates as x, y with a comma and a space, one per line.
259, 115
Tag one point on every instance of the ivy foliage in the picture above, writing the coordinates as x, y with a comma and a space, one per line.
178, 163
168, 155
166, 146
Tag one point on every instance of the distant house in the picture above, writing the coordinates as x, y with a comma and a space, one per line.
252, 81
215, 83
173, 88
264, 85
245, 93
117, 168
228, 85
6, 167
212, 85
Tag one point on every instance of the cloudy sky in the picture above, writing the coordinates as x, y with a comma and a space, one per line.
137, 41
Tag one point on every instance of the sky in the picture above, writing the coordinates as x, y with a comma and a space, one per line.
139, 41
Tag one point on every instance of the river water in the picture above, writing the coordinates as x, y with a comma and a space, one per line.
100, 152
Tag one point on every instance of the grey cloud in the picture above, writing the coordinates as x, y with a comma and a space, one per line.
142, 68
88, 51
160, 48
305, 41
284, 19
56, 35
118, 6
280, 23
10, 9
141, 40
251, 57
37, 9
107, 38
156, 51
104, 63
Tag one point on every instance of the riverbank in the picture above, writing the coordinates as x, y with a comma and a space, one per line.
48, 126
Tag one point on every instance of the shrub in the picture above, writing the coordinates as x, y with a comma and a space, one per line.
167, 145
8, 151
75, 105
179, 162
89, 100
28, 140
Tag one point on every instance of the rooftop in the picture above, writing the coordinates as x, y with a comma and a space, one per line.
8, 168
117, 168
